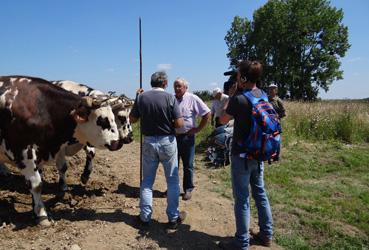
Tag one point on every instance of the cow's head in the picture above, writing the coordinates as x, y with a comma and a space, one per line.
96, 124
121, 108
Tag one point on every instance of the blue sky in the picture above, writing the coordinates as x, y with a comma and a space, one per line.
96, 42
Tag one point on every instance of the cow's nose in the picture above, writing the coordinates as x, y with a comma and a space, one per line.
114, 145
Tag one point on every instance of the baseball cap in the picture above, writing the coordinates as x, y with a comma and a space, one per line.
273, 85
216, 91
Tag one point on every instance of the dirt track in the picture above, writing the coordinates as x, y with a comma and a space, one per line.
101, 215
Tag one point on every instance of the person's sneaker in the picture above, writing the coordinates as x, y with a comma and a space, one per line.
172, 225
228, 245
187, 196
261, 238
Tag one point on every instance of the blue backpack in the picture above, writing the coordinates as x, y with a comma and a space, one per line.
263, 142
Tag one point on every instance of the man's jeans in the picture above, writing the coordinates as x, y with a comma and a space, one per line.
159, 149
242, 175
186, 152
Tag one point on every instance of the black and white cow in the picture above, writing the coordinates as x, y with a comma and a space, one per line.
121, 106
38, 121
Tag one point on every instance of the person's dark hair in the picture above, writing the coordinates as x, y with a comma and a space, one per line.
254, 71
158, 79
243, 68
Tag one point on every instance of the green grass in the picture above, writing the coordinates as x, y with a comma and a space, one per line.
319, 191
319, 194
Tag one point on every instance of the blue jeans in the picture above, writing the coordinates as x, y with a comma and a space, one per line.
157, 149
186, 152
244, 175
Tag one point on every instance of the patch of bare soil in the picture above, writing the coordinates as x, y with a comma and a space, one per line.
102, 214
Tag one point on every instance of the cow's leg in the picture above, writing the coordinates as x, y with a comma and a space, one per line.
90, 154
62, 166
29, 169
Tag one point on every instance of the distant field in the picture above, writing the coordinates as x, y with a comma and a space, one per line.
319, 191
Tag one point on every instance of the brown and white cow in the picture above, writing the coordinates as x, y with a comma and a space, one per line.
38, 121
121, 106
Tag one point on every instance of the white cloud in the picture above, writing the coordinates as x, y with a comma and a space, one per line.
164, 67
213, 84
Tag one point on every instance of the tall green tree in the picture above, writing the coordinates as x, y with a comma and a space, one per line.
300, 44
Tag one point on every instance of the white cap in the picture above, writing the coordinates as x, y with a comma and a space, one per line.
216, 91
273, 85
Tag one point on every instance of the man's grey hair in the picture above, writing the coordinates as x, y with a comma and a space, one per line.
158, 79
181, 80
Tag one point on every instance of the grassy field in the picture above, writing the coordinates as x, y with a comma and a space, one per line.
319, 191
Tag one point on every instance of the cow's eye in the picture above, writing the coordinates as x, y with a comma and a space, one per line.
122, 119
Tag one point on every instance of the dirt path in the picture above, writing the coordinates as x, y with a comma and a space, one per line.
101, 215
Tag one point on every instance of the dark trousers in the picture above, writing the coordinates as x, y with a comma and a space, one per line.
217, 122
186, 152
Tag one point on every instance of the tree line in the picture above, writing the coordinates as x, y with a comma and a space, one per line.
300, 44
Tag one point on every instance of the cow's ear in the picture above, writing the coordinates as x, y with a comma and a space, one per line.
78, 117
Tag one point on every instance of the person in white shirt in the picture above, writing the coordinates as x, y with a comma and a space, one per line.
191, 107
218, 105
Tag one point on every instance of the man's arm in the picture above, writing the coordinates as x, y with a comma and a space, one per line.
134, 114
204, 120
283, 110
178, 123
225, 117
132, 119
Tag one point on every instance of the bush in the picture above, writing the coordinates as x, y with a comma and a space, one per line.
205, 95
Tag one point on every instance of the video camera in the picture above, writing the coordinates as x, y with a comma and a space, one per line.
231, 80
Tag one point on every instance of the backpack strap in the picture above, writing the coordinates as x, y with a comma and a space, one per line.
253, 99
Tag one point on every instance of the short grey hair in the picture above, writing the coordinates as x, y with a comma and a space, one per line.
158, 79
181, 80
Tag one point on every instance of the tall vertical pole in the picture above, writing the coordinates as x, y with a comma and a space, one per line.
140, 88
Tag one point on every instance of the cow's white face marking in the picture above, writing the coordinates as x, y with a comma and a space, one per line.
100, 130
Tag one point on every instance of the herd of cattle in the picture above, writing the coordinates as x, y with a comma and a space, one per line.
41, 121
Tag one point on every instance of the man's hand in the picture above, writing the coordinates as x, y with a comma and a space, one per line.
232, 90
193, 131
139, 91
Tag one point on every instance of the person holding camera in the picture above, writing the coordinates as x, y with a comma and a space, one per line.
246, 172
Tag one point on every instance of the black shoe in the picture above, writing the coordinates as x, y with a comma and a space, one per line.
172, 225
262, 239
142, 224
228, 245
187, 196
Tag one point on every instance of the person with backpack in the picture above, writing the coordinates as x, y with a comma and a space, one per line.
250, 148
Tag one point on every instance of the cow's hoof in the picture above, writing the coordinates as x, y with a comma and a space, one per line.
85, 178
43, 221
